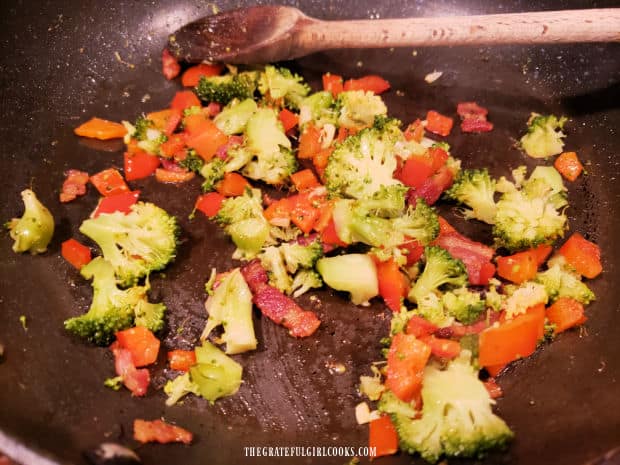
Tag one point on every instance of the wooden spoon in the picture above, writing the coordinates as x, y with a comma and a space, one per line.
263, 34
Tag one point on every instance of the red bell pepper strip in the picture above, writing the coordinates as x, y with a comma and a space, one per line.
75, 253
142, 344
109, 182
583, 255
117, 203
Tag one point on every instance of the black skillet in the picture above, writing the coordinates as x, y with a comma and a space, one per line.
63, 62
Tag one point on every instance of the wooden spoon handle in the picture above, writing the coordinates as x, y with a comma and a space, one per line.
594, 25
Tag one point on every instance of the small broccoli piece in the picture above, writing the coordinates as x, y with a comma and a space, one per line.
213, 172
242, 218
136, 243
231, 306
463, 304
215, 374
278, 234
223, 89
148, 314
114, 383
354, 273
358, 109
372, 230
493, 299
179, 387
532, 215
420, 223
236, 158
475, 189
387, 202
273, 160
301, 256
457, 419
305, 280
523, 297
440, 269
362, 164
392, 405
371, 386
319, 109
431, 308
561, 282
273, 262
140, 128
234, 117
280, 86
544, 136
152, 142
34, 230
192, 162
399, 320
113, 309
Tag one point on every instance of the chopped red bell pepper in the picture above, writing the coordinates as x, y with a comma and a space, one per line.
75, 253
117, 203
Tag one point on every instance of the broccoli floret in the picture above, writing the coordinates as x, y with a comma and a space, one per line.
152, 142
392, 405
531, 215
273, 160
193, 162
140, 128
236, 158
561, 282
354, 273
431, 308
149, 315
215, 374
493, 299
358, 109
34, 230
544, 136
420, 223
136, 243
234, 117
113, 309
213, 172
301, 256
273, 262
371, 386
363, 164
305, 280
318, 108
387, 202
523, 297
399, 320
440, 269
463, 304
242, 218
179, 387
475, 189
281, 87
231, 306
373, 230
223, 89
457, 419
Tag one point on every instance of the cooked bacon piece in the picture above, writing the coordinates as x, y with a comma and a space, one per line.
476, 125
255, 274
493, 388
136, 380
432, 188
276, 306
474, 117
470, 109
74, 185
160, 431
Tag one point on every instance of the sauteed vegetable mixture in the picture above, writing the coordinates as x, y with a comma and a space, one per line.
354, 210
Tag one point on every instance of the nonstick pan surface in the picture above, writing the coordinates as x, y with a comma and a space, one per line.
63, 62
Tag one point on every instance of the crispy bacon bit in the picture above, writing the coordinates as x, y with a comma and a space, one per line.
169, 65
432, 188
473, 117
276, 306
160, 431
136, 380
494, 389
459, 330
74, 185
